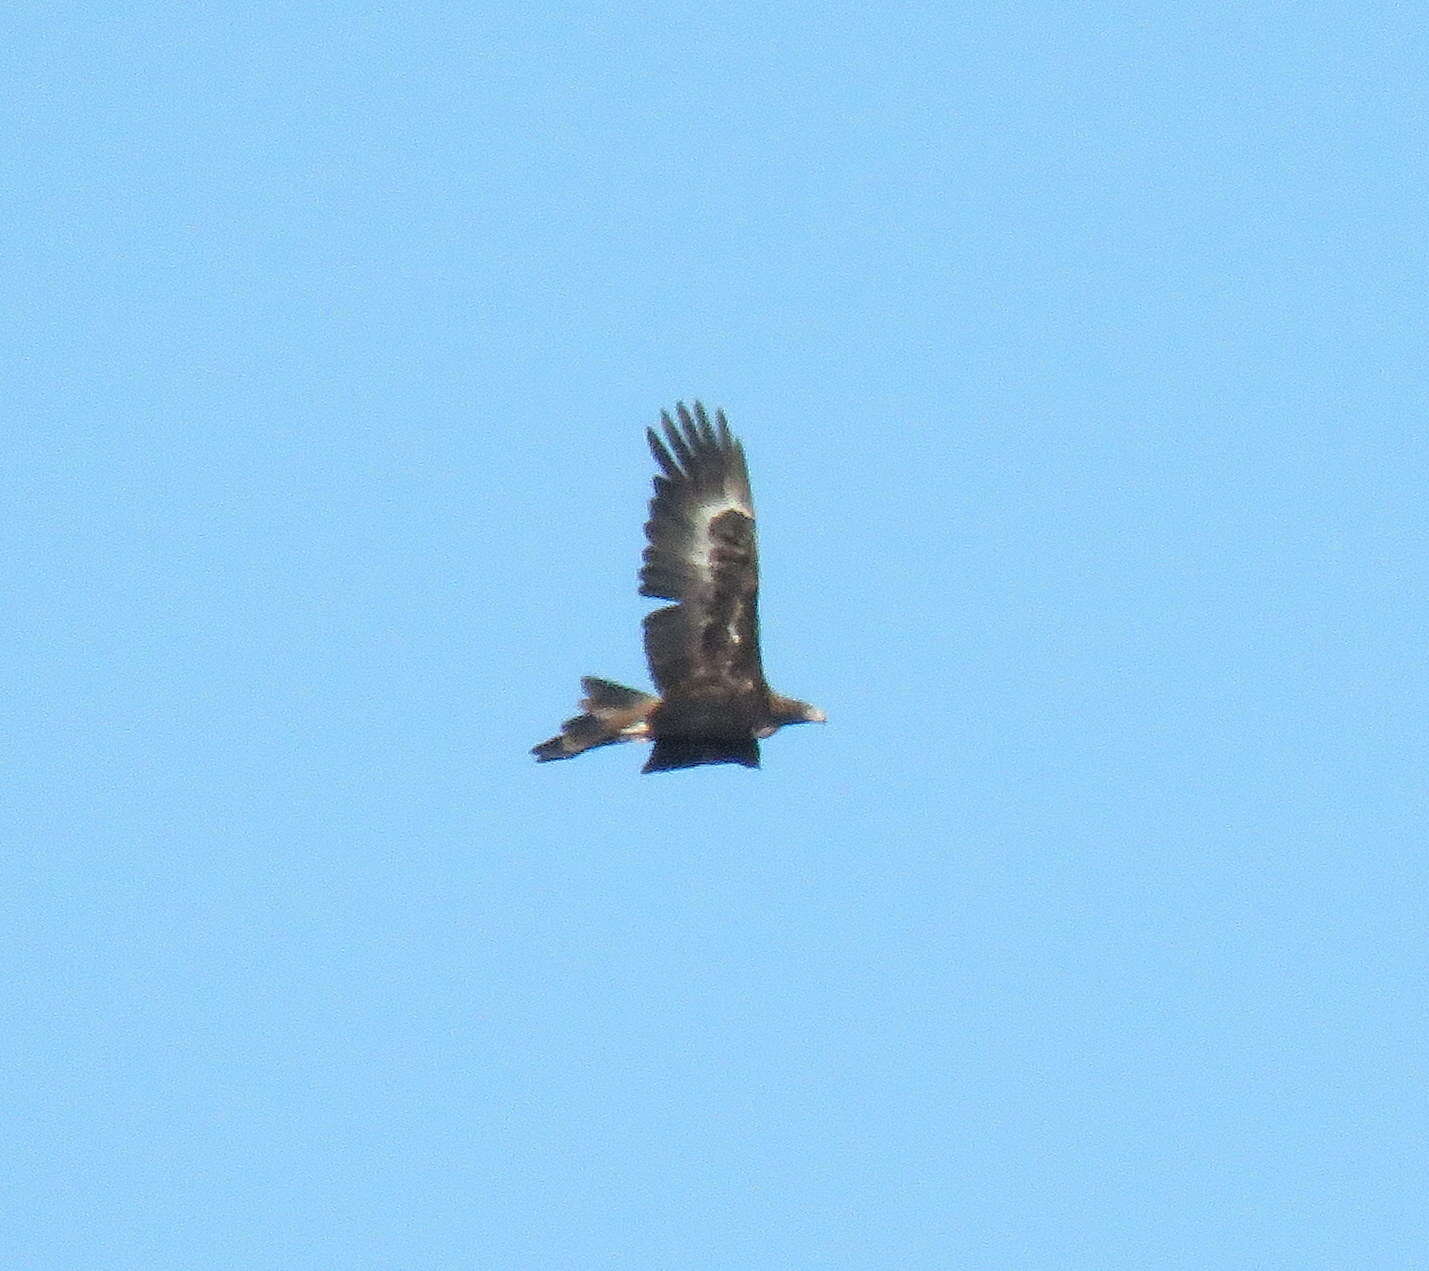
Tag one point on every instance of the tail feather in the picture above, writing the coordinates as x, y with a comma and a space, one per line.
599, 693
612, 713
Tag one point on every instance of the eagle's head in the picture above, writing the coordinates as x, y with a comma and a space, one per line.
789, 710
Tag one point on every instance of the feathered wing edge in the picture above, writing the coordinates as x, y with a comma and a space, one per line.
670, 753
702, 553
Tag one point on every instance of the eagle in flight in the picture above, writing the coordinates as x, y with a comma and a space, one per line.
714, 705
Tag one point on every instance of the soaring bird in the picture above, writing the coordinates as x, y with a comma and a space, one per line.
715, 705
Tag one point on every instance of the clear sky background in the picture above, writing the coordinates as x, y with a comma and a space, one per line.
1079, 353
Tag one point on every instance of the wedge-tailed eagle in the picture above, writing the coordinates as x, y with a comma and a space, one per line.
714, 705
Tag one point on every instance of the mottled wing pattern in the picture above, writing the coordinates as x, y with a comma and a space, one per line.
702, 555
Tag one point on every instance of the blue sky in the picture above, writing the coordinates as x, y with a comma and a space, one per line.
1079, 354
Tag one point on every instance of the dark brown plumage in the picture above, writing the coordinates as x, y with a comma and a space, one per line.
715, 705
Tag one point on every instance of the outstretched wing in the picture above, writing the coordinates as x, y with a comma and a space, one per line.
702, 555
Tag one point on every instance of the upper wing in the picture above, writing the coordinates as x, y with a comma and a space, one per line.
702, 555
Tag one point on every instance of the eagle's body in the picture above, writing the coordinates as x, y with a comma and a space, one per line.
703, 650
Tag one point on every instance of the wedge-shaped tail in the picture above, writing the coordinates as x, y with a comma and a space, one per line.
612, 713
